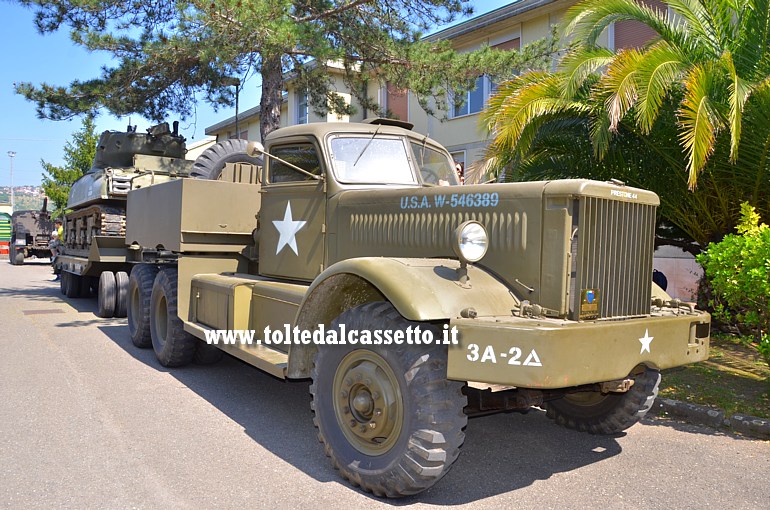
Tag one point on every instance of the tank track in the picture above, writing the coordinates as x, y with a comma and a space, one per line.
97, 220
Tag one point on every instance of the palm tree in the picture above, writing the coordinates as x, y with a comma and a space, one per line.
716, 51
657, 117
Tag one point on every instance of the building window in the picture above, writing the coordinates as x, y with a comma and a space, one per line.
472, 101
302, 109
395, 101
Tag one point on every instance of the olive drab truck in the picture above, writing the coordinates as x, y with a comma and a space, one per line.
94, 256
355, 260
30, 234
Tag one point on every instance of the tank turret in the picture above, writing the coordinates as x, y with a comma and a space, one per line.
124, 160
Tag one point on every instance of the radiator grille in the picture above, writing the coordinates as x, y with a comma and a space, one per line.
612, 253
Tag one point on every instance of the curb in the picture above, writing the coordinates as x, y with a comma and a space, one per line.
749, 426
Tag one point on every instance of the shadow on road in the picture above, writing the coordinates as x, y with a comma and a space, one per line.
45, 290
502, 452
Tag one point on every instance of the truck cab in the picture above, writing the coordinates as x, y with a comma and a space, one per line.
358, 261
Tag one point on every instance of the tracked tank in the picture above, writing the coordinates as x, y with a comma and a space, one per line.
124, 161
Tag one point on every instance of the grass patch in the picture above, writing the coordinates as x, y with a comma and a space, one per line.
734, 378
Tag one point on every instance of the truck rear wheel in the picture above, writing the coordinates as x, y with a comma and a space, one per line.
139, 292
173, 346
388, 417
121, 293
210, 163
609, 413
105, 298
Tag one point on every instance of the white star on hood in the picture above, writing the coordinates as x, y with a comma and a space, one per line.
646, 339
288, 228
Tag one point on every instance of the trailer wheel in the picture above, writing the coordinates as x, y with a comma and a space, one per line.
73, 287
139, 292
105, 298
64, 281
609, 413
389, 419
173, 346
121, 293
84, 290
210, 163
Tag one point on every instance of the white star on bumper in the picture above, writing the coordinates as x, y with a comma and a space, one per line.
646, 340
288, 228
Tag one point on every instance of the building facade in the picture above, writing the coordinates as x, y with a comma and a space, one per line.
459, 129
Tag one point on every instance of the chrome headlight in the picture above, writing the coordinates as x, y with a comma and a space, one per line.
470, 242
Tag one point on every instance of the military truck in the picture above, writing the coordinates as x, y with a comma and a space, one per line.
30, 234
94, 253
410, 302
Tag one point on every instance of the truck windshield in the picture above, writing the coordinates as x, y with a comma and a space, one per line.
370, 159
435, 167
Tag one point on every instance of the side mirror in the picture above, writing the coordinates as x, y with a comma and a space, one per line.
255, 148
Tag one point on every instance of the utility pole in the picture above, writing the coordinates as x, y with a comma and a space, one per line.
11, 155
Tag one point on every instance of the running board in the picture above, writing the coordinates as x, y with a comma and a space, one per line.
264, 358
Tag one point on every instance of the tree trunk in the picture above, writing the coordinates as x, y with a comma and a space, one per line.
272, 95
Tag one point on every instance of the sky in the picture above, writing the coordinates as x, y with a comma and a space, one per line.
28, 56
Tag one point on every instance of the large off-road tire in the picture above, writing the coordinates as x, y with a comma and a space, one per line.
139, 292
608, 413
121, 293
388, 417
173, 346
105, 298
210, 163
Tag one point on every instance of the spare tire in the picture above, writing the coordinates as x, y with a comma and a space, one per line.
210, 163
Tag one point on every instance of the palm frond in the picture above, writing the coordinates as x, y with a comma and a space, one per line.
699, 121
619, 85
587, 20
521, 103
739, 91
581, 63
660, 69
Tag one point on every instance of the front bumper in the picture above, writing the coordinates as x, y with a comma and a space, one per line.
550, 353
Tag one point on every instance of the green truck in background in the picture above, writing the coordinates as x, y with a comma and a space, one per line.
30, 234
434, 301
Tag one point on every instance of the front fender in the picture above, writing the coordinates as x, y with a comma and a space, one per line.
420, 289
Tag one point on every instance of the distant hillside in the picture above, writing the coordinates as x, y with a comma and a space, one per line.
26, 197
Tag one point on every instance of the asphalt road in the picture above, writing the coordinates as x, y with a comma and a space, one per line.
87, 420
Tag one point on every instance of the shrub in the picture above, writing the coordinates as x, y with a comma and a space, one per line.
738, 270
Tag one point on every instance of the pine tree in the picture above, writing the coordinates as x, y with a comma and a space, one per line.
167, 51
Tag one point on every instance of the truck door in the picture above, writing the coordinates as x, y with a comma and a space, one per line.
292, 217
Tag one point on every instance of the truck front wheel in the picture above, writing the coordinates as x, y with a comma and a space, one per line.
388, 417
139, 292
173, 346
606, 413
